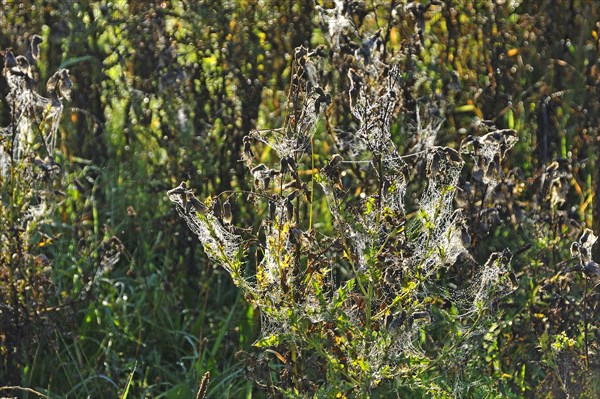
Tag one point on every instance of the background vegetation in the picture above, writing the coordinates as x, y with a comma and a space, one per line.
109, 294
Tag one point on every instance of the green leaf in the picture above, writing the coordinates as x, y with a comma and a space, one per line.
124, 396
76, 60
465, 108
270, 341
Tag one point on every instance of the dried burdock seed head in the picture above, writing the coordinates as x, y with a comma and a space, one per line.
319, 51
295, 79
553, 167
349, 48
591, 269
506, 256
52, 83
587, 238
469, 145
335, 161
306, 192
452, 155
488, 151
290, 185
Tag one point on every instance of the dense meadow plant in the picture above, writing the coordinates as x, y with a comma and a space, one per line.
390, 290
31, 189
35, 301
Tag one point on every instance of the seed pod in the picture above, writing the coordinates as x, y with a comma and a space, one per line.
284, 165
216, 208
295, 236
52, 83
259, 168
290, 209
453, 155
34, 46
23, 67
575, 249
59, 85
265, 182
292, 165
65, 85
248, 147
300, 52
307, 192
195, 203
179, 190
183, 192
506, 256
227, 215
292, 196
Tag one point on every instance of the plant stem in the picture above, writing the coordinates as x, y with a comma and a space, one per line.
369, 300
312, 182
585, 323
295, 367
